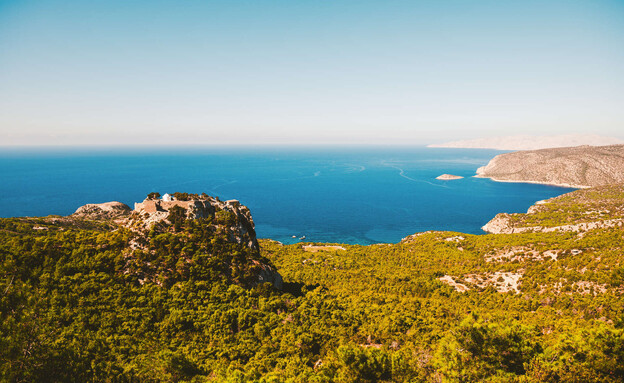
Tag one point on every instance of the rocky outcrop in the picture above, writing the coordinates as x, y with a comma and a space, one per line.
202, 208
99, 211
578, 167
268, 274
225, 218
226, 223
502, 281
241, 231
502, 224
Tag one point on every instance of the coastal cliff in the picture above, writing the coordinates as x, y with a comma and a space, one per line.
577, 167
165, 293
241, 229
225, 227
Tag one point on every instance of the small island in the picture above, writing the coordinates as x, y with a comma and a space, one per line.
448, 177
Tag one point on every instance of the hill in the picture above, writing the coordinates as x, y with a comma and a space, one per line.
95, 297
578, 167
579, 211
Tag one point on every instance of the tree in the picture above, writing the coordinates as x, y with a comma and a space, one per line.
177, 216
478, 349
181, 196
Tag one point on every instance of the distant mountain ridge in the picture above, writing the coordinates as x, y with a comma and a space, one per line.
527, 142
577, 167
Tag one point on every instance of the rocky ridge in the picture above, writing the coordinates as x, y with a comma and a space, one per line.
229, 218
576, 167
150, 212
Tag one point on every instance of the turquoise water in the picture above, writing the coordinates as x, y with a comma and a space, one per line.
346, 195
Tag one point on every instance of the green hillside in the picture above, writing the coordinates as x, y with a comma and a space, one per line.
588, 205
95, 300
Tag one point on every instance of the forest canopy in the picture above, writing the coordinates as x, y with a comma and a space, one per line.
84, 300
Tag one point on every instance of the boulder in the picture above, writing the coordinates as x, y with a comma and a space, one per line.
106, 210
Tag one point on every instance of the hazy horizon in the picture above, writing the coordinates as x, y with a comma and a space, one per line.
307, 73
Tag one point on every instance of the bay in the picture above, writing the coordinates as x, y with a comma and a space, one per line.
349, 195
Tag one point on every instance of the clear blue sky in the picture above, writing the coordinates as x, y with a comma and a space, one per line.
254, 72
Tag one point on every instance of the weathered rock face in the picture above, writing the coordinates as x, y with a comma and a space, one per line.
227, 221
579, 167
242, 231
194, 208
500, 224
268, 274
239, 227
107, 210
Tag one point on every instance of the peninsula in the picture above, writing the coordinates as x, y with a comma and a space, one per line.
582, 210
576, 167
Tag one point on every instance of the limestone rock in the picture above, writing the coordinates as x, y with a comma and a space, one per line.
230, 219
243, 231
500, 224
107, 210
267, 274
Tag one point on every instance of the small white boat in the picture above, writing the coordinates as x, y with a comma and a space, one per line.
294, 236
302, 237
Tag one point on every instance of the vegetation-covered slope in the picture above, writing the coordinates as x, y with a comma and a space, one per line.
581, 210
88, 301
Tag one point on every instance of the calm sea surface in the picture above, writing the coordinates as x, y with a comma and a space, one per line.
346, 195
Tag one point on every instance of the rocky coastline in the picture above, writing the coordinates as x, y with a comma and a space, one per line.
601, 208
575, 167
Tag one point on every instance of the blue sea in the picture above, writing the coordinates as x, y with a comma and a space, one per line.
345, 195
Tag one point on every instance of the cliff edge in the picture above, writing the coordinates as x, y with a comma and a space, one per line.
241, 230
170, 239
577, 167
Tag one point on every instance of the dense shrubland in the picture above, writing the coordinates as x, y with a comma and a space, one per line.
92, 301
587, 205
